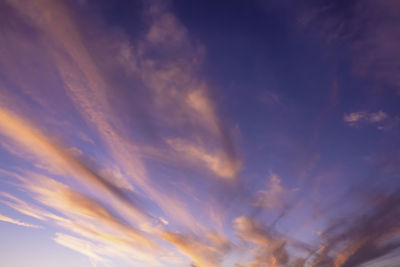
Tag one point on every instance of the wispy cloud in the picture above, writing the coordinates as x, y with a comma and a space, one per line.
171, 83
4, 218
363, 117
122, 145
269, 250
369, 235
275, 196
380, 120
218, 162
368, 30
83, 216
82, 246
204, 253
59, 161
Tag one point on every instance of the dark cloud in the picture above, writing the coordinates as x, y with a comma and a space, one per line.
367, 32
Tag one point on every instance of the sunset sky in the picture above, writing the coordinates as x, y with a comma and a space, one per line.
199, 133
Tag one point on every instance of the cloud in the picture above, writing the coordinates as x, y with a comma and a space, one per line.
218, 162
269, 249
203, 253
74, 204
354, 117
378, 116
59, 161
83, 216
82, 246
4, 218
166, 29
364, 117
163, 65
357, 240
28, 209
367, 30
274, 197
117, 190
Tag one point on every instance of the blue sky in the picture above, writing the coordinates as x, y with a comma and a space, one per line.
199, 133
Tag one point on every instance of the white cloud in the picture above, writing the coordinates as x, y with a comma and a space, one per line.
17, 222
364, 117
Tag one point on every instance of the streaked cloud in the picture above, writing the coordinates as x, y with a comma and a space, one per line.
85, 217
218, 162
72, 203
124, 147
82, 246
28, 209
269, 249
172, 83
204, 253
362, 238
4, 218
58, 161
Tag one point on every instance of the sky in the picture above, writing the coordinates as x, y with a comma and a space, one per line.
199, 133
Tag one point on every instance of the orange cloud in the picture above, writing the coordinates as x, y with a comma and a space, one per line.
174, 86
269, 249
202, 253
219, 163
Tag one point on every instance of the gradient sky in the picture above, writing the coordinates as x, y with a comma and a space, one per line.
199, 133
